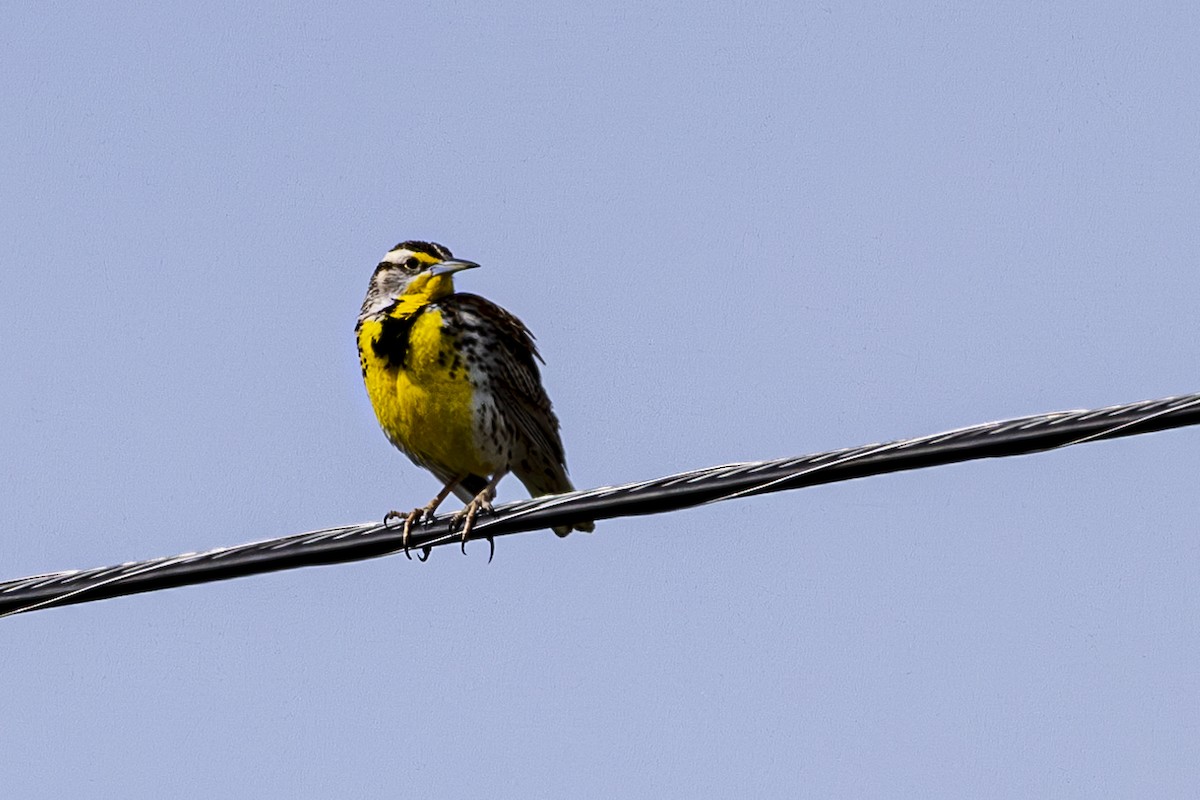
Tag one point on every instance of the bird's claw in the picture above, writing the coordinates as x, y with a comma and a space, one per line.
410, 519
467, 516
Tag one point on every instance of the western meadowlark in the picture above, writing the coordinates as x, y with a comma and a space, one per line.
455, 385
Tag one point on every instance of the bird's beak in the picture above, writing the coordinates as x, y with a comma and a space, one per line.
450, 267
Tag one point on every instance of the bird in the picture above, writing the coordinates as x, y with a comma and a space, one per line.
454, 382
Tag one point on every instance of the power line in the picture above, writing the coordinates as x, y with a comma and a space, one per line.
355, 542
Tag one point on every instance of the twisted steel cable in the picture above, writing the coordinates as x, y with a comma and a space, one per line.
354, 542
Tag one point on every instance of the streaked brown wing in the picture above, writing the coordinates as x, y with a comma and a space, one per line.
513, 373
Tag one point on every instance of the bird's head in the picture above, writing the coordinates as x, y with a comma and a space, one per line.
412, 273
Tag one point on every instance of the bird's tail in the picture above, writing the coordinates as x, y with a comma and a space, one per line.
552, 480
583, 527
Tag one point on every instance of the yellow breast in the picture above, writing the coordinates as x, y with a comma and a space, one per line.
426, 406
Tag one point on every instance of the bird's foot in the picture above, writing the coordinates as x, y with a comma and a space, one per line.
481, 503
410, 519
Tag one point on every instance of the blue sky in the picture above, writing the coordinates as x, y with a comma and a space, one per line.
739, 231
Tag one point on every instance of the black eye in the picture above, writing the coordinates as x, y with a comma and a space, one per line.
411, 264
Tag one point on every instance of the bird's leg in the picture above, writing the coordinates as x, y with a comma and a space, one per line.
482, 502
424, 512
